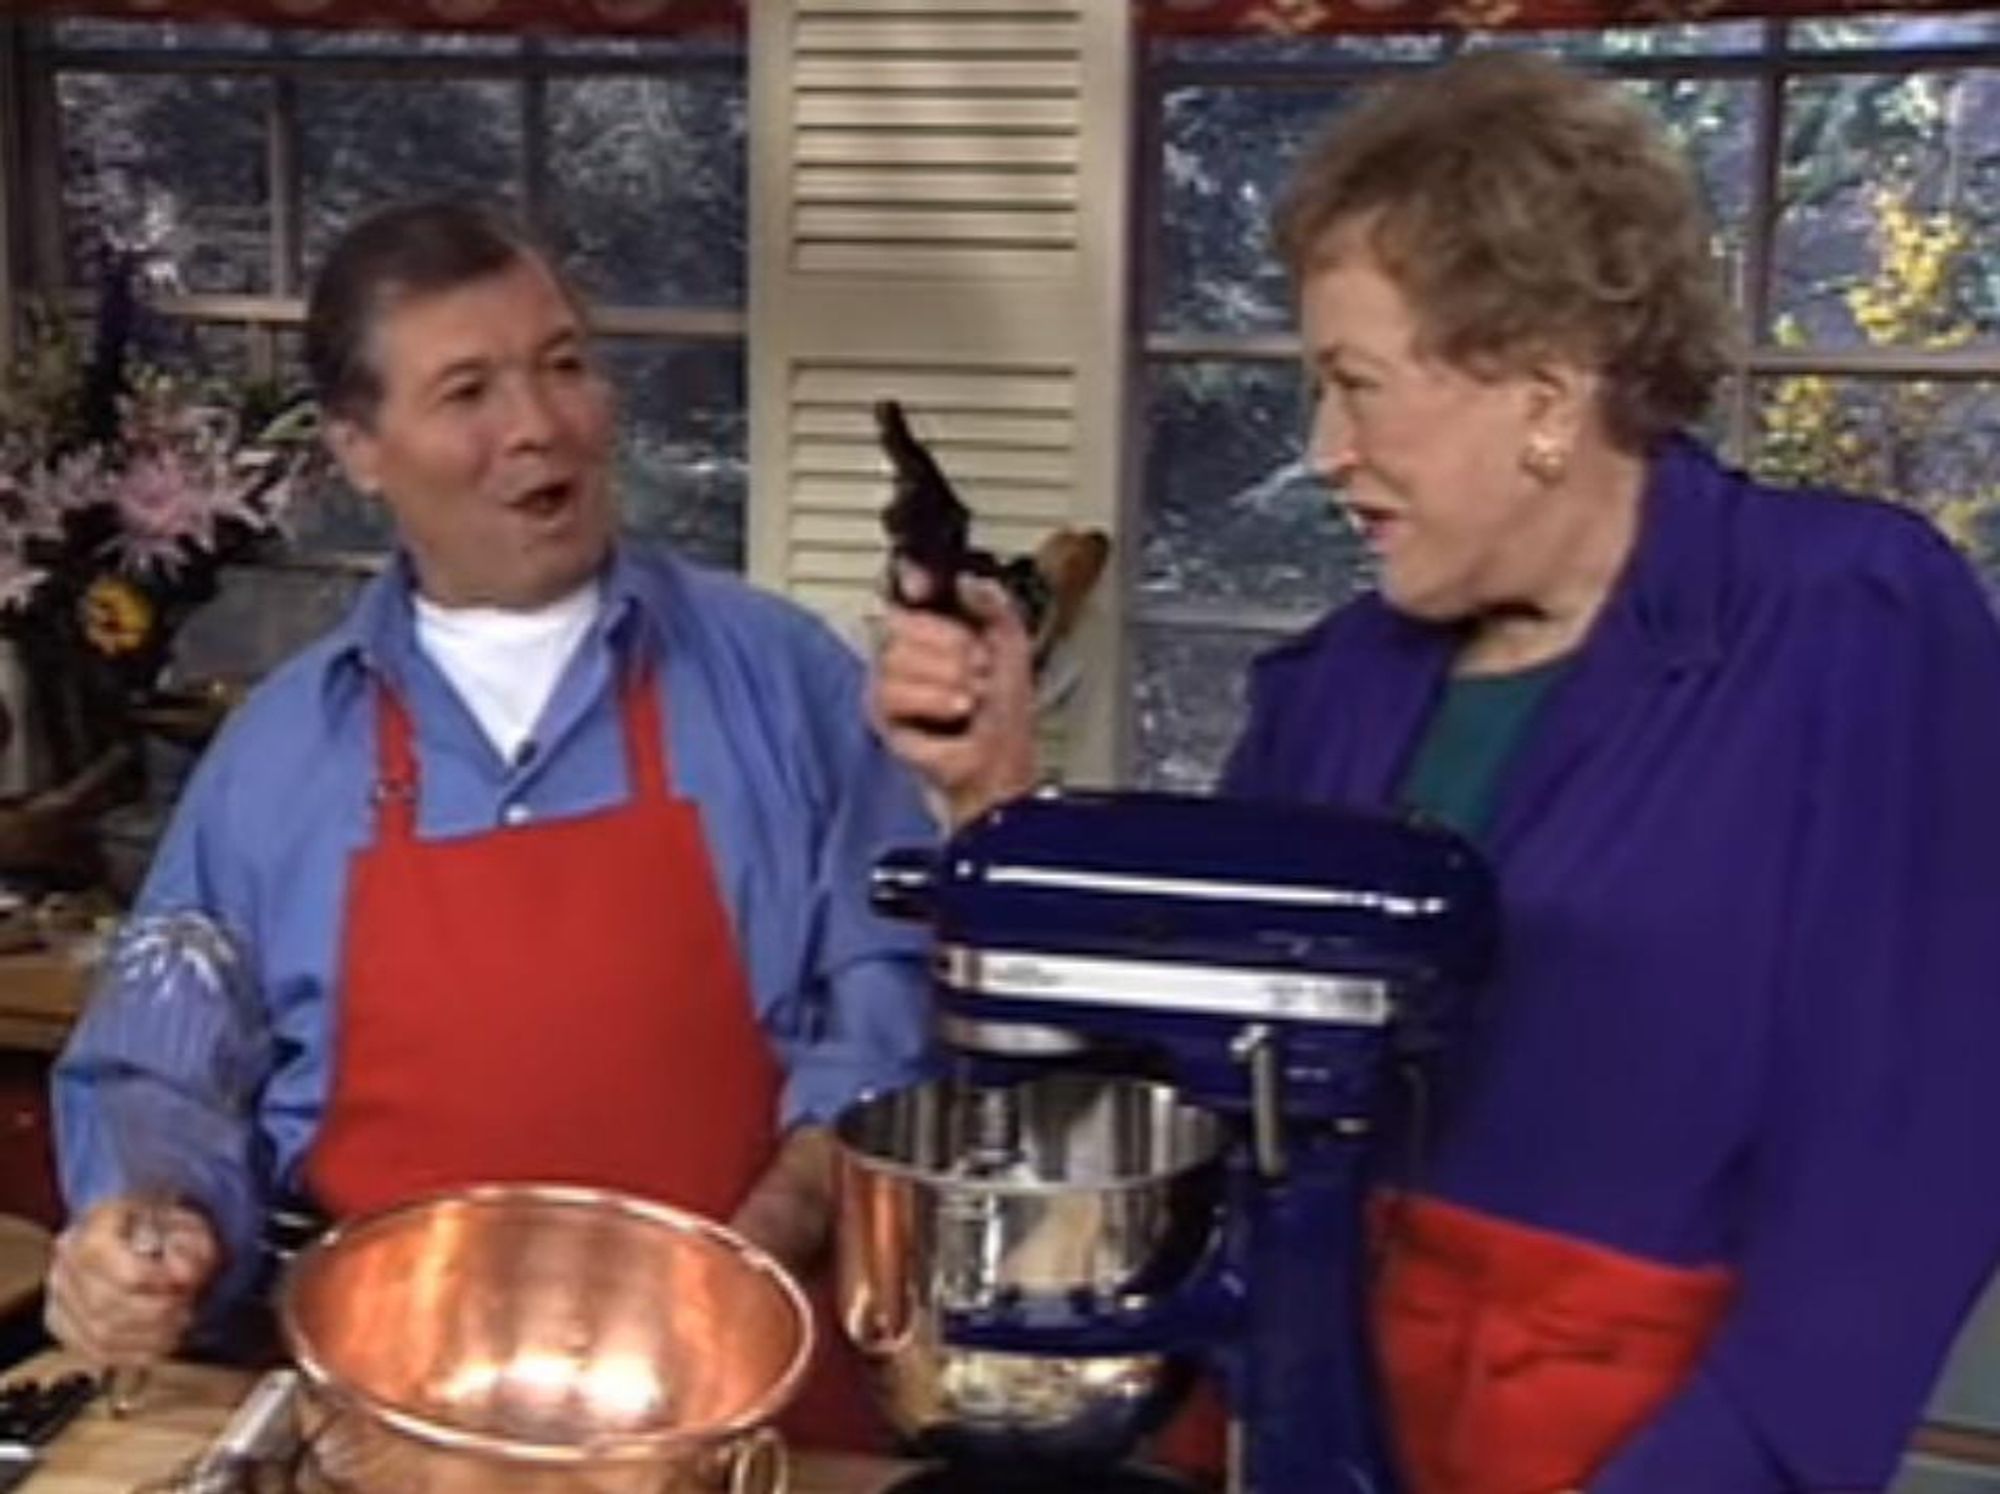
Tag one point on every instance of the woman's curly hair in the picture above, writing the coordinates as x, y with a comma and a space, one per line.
1524, 209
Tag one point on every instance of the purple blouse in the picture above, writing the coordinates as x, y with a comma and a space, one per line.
1748, 1008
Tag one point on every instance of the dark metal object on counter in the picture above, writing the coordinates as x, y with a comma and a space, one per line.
1268, 967
32, 1414
256, 1452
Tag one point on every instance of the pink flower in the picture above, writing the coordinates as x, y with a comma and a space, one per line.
19, 581
76, 482
164, 503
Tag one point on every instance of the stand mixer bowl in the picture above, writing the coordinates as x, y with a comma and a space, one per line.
955, 1198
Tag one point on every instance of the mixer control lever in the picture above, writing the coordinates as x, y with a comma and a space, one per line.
1256, 1047
903, 883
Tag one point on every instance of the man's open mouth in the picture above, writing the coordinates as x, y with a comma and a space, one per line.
545, 500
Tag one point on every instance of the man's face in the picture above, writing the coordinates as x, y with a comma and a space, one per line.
491, 442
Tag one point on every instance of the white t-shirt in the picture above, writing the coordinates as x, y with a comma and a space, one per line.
504, 665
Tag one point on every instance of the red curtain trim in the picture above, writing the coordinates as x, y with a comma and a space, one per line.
1308, 17
640, 18
632, 18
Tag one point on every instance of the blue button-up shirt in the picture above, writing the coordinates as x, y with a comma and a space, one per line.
766, 733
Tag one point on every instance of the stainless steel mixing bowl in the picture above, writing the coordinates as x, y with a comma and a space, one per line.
956, 1199
519, 1339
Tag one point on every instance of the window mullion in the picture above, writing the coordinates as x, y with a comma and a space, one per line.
281, 187
13, 205
535, 136
40, 156
1767, 130
287, 189
1145, 245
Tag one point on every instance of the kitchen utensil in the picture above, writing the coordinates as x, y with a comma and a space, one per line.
176, 991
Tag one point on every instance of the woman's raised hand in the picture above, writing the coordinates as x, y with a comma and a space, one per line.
956, 699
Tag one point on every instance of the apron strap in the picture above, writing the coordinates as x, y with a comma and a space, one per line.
645, 719
395, 792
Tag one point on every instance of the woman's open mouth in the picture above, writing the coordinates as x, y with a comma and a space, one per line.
1376, 526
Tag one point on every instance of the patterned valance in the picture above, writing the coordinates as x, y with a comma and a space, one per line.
1302, 17
552, 17
1163, 17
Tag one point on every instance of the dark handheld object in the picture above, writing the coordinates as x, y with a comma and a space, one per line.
930, 527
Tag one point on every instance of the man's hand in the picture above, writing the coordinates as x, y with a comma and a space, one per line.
120, 1307
790, 1211
935, 668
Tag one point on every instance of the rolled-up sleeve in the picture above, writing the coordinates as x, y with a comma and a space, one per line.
1874, 1219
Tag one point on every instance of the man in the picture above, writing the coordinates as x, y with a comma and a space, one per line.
550, 862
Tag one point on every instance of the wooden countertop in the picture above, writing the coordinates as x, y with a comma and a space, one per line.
185, 1407
41, 992
24, 1261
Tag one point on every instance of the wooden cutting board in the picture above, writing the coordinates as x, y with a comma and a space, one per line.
185, 1406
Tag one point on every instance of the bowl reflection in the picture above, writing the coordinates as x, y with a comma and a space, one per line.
516, 1338
953, 1199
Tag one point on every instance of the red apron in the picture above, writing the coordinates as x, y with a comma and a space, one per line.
1516, 1361
558, 1002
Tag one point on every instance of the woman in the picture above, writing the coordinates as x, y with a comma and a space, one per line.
1706, 1195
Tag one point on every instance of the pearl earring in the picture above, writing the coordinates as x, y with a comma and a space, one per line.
1545, 458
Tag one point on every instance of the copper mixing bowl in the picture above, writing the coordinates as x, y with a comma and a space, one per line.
509, 1339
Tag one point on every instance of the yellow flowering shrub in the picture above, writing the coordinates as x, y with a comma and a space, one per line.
1816, 428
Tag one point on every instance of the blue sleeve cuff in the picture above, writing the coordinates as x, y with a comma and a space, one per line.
818, 1089
873, 1035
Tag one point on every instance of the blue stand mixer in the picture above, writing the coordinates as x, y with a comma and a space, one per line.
1178, 1024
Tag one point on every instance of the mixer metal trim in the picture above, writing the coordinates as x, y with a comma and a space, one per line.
1160, 986
1282, 894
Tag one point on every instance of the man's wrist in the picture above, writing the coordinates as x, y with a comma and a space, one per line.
789, 1213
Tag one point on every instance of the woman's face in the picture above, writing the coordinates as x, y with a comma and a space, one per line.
1427, 459
491, 442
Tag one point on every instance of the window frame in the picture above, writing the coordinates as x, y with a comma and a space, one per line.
1771, 65
531, 62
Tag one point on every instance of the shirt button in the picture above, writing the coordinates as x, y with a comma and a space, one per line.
517, 813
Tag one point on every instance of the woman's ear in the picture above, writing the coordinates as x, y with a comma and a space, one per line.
1562, 398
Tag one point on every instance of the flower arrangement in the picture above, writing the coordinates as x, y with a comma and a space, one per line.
124, 489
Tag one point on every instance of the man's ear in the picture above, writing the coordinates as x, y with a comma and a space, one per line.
358, 452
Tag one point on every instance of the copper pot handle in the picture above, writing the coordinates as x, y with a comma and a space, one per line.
758, 1464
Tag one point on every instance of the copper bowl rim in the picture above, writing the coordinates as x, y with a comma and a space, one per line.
609, 1447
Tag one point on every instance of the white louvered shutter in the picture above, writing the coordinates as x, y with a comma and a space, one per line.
939, 193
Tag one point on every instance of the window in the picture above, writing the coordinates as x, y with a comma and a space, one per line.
1853, 170
230, 157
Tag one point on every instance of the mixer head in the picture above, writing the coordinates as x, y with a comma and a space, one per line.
1067, 919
